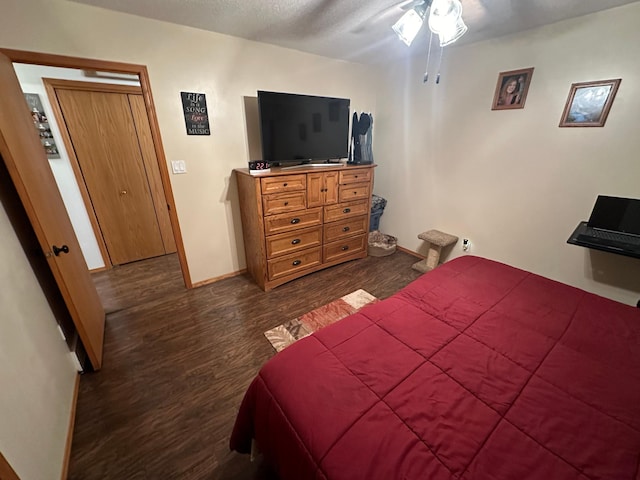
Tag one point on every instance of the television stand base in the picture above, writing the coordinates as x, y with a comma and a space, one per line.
305, 165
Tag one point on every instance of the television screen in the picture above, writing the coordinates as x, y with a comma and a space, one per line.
303, 128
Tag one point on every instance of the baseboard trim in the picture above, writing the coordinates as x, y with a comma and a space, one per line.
243, 271
217, 279
72, 423
410, 252
99, 269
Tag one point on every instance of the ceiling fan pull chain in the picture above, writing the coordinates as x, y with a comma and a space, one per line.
439, 64
426, 71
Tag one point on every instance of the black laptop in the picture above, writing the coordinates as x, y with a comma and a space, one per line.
614, 222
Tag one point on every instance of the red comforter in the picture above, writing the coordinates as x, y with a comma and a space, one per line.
476, 370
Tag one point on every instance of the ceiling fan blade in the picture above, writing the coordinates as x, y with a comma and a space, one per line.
381, 15
409, 4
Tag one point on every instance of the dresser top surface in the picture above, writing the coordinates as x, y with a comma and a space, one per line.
303, 169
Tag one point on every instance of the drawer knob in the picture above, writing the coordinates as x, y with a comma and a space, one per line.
346, 210
356, 176
346, 229
285, 184
345, 248
295, 220
295, 263
286, 203
295, 241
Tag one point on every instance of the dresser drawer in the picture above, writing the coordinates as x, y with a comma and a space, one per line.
283, 183
342, 211
293, 241
286, 222
357, 191
342, 248
345, 228
284, 202
289, 264
355, 176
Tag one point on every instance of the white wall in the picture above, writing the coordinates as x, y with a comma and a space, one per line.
30, 77
513, 182
226, 69
37, 376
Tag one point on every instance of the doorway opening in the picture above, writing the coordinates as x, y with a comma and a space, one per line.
107, 72
143, 106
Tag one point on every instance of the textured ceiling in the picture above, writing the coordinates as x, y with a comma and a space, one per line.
355, 30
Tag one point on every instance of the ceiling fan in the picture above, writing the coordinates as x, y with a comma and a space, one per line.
445, 20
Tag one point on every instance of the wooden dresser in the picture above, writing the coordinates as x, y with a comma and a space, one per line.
297, 221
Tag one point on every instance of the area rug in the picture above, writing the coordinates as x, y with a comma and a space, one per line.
289, 332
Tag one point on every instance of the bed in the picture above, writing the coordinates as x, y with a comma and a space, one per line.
476, 370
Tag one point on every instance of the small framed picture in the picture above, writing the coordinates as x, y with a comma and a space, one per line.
42, 125
589, 103
511, 89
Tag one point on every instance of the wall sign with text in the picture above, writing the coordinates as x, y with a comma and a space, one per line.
196, 117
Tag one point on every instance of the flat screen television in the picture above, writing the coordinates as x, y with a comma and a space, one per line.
303, 128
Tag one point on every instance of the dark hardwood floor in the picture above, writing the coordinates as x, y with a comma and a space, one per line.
177, 363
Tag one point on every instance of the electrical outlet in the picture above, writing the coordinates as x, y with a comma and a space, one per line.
466, 244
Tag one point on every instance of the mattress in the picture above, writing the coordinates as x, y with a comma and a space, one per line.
476, 370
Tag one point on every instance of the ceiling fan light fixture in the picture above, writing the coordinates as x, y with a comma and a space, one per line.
445, 19
409, 25
451, 34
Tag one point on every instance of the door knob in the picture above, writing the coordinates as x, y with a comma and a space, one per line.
57, 251
123, 192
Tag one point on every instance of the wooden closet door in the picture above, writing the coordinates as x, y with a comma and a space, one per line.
29, 169
148, 150
103, 133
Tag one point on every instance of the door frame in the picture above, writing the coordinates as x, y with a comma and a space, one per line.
53, 60
6, 471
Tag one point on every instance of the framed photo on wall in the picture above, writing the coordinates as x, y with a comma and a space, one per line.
589, 103
511, 89
42, 125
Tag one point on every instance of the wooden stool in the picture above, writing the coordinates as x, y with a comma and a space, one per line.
437, 240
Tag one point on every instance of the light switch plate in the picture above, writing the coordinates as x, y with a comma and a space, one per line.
178, 166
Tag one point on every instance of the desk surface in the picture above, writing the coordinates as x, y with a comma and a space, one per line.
598, 244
